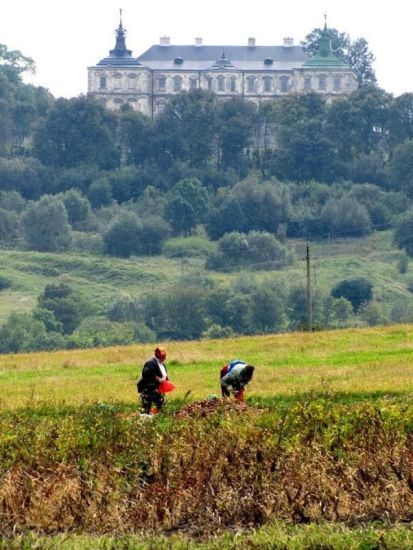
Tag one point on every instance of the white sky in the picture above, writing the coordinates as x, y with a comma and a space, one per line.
65, 37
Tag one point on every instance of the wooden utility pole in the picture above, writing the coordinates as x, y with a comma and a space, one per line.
309, 306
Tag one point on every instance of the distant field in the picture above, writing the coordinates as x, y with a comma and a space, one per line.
357, 362
102, 277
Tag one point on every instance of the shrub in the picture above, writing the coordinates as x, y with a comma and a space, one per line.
68, 306
124, 236
92, 243
403, 232
5, 282
180, 247
357, 291
345, 217
45, 225
9, 225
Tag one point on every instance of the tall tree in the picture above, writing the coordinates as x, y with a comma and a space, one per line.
78, 131
45, 225
356, 54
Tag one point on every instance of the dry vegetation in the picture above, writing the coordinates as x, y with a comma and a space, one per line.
326, 436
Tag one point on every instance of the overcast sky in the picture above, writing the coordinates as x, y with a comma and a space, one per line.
65, 37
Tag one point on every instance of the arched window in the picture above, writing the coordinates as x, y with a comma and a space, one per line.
307, 83
337, 83
102, 82
233, 84
221, 84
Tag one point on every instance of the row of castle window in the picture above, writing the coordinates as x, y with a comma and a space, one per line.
252, 83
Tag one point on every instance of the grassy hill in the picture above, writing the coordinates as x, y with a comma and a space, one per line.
103, 277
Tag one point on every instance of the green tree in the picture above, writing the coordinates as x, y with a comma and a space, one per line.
21, 333
124, 236
181, 215
236, 119
403, 232
68, 305
400, 119
356, 54
358, 291
136, 137
345, 217
100, 193
267, 310
401, 167
305, 150
184, 309
155, 230
9, 225
45, 225
78, 131
77, 208
13, 64
192, 191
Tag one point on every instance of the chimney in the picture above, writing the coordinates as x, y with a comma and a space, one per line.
288, 42
164, 41
198, 42
251, 42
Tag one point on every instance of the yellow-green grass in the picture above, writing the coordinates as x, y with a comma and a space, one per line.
276, 536
353, 362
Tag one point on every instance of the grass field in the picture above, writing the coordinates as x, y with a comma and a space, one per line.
356, 363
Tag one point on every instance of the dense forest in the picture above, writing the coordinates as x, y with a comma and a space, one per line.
228, 181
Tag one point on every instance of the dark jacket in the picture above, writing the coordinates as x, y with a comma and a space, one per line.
148, 383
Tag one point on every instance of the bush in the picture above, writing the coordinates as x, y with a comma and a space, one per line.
181, 247
91, 243
403, 263
217, 332
124, 236
358, 291
68, 306
5, 282
345, 217
9, 225
77, 208
98, 332
403, 232
45, 225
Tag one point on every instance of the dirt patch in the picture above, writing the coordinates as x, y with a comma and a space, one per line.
210, 406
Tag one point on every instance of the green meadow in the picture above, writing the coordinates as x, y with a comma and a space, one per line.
353, 363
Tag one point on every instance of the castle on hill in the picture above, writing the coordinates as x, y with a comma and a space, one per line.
254, 72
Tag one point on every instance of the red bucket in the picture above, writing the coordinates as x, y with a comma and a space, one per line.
166, 386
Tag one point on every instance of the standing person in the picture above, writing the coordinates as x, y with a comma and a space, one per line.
154, 372
236, 375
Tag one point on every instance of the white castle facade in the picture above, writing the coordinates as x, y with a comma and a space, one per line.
257, 73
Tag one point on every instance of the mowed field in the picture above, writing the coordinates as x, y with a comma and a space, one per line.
355, 363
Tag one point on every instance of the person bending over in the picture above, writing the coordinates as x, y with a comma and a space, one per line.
236, 375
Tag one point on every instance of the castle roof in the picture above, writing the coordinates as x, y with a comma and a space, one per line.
193, 57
